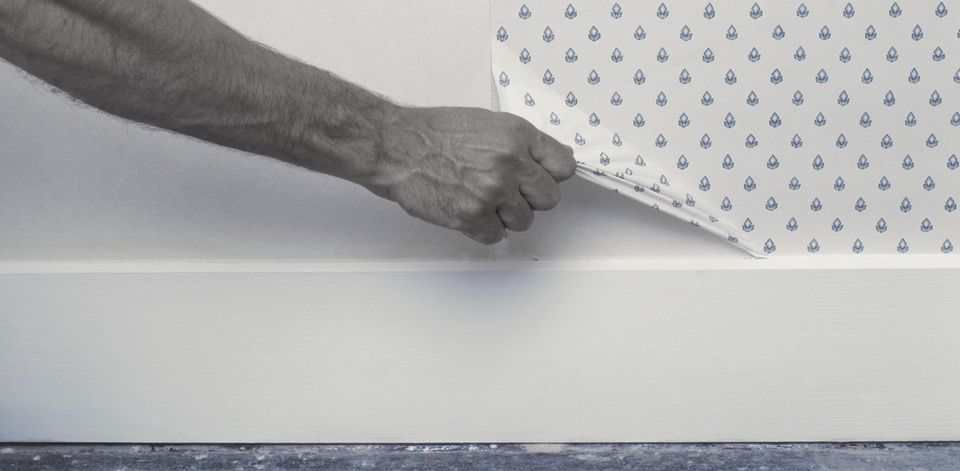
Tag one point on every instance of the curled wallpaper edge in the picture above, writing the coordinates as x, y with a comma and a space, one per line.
646, 182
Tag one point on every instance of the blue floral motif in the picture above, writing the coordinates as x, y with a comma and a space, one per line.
817, 163
935, 98
662, 56
843, 99
638, 121
682, 162
771, 204
950, 205
525, 56
554, 119
848, 11
639, 161
502, 34
639, 33
730, 78
776, 77
616, 100
748, 225
769, 246
594, 34
685, 33
690, 201
594, 120
792, 224
524, 12
579, 140
884, 184
731, 33
778, 33
902, 247
800, 54
837, 226
571, 100
917, 33
861, 205
839, 185
932, 141
729, 121
707, 99
617, 56
845, 55
820, 120
638, 78
794, 184
528, 100
886, 142
727, 162
504, 80
616, 12
754, 55
947, 247
571, 56
775, 120
926, 225
798, 98
867, 76
955, 119
842, 141
911, 120
709, 12
892, 55
773, 163
816, 205
889, 99
871, 33
752, 99
661, 141
684, 121
726, 205
662, 99
662, 11
604, 159
548, 35
616, 141
705, 141
928, 184
755, 11
751, 142
814, 246
905, 205
796, 142
881, 226
895, 10
704, 184
548, 77
571, 12
749, 184
857, 246
708, 56
822, 76
684, 77
907, 162
938, 55
593, 78
953, 162
941, 10
865, 120
825, 33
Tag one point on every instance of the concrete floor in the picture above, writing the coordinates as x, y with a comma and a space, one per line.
488, 457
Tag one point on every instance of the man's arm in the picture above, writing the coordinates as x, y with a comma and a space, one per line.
170, 64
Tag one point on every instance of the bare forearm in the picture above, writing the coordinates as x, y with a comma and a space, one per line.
172, 65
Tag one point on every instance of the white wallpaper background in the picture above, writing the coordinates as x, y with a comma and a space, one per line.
787, 128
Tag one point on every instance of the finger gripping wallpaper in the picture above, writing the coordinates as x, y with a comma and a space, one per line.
785, 128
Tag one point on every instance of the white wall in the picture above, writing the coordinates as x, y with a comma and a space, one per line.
81, 185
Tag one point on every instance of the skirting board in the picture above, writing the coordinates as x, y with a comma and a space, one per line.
782, 350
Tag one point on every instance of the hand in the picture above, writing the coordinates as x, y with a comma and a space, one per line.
472, 170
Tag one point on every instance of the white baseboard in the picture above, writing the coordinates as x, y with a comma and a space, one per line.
804, 349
